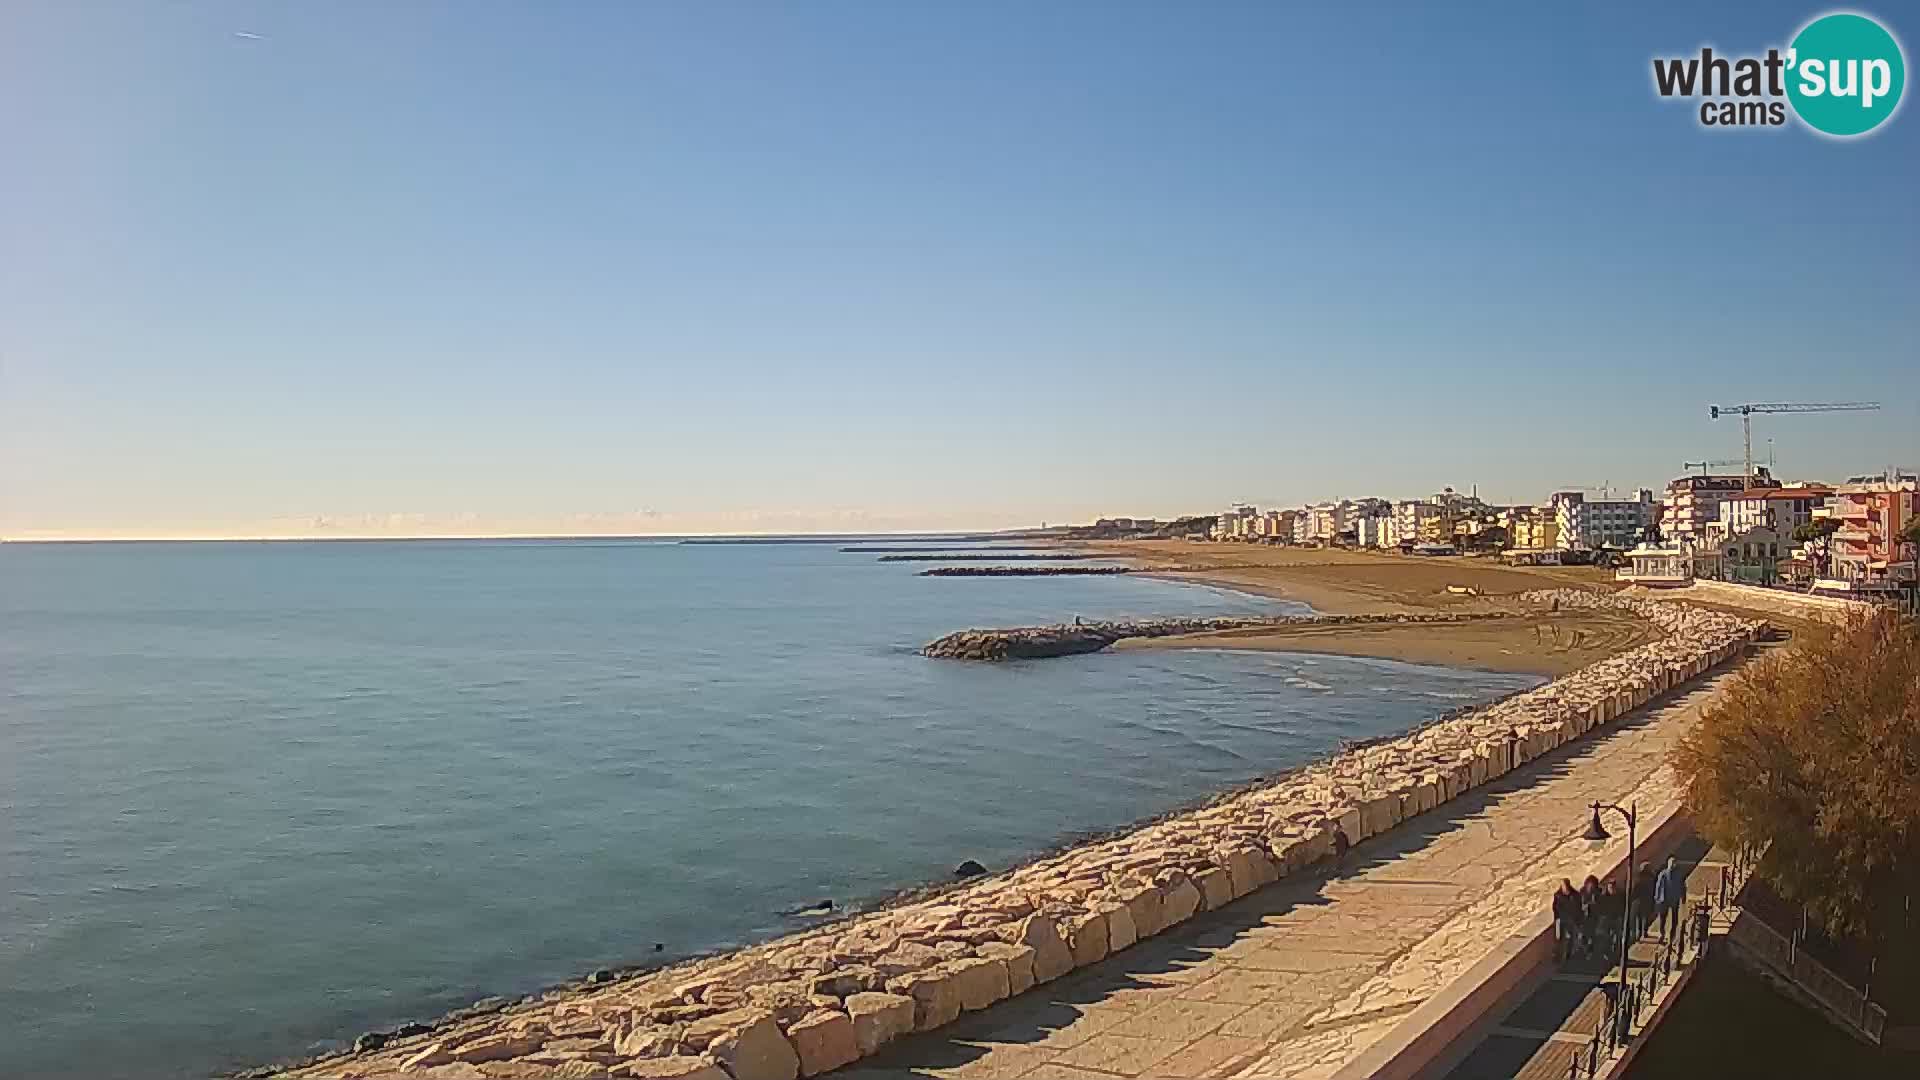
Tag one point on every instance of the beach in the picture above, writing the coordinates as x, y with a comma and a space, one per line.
1344, 582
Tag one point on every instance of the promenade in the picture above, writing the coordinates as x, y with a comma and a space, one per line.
1297, 979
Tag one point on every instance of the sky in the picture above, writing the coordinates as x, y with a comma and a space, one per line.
446, 268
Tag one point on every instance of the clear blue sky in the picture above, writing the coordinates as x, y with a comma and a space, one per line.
521, 266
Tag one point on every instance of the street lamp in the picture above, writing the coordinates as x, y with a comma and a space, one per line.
1597, 833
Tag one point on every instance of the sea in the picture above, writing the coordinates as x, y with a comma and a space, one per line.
257, 798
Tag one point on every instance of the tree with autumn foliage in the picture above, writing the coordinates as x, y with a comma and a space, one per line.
1815, 751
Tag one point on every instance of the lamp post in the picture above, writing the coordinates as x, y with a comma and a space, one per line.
1598, 833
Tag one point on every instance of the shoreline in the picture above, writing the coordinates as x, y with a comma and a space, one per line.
828, 995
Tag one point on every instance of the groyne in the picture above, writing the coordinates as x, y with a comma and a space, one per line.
812, 1002
1072, 639
1031, 571
1061, 557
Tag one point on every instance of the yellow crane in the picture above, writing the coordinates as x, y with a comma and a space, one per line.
1746, 412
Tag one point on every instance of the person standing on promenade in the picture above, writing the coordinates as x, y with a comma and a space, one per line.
1566, 919
1589, 914
1341, 845
1613, 911
1642, 903
1669, 891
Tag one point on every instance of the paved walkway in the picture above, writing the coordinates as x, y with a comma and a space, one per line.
1538, 1038
1300, 977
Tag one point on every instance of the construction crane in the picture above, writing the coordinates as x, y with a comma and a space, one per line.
1716, 463
1746, 417
1725, 463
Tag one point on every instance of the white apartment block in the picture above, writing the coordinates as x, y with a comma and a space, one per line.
1587, 523
1780, 509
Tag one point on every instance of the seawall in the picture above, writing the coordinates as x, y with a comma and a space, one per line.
812, 1002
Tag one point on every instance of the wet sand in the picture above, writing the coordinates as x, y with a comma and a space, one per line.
1541, 644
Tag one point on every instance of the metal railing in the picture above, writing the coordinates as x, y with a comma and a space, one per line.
1783, 953
1637, 991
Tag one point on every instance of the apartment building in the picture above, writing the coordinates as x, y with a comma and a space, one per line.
1872, 515
1587, 523
1692, 502
1782, 509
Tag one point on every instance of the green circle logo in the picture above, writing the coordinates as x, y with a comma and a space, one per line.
1845, 74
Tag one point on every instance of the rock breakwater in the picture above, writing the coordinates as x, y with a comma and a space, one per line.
1029, 557
1072, 639
1030, 571
815, 1001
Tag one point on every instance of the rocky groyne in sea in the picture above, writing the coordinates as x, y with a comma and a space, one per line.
1072, 639
1064, 556
815, 1001
1030, 571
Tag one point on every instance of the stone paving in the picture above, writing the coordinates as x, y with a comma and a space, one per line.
1298, 978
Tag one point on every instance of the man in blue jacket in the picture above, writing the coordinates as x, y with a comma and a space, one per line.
1669, 892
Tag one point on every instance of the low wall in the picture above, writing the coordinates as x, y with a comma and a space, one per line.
812, 1002
1428, 1043
1797, 605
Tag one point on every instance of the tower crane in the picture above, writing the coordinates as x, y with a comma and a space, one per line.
1746, 417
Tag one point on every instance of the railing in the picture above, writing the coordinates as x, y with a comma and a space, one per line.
1783, 953
1637, 992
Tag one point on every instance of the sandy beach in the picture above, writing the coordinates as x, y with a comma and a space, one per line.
1366, 582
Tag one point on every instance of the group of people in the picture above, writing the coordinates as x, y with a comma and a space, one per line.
1593, 916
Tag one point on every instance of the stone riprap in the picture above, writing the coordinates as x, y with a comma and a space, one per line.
810, 1003
1035, 571
1069, 639
1051, 556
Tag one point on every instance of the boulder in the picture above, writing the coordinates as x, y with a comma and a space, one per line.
1121, 932
1051, 957
430, 1055
1178, 901
824, 1041
878, 1019
670, 1068
1143, 903
852, 979
755, 1049
1087, 937
935, 994
1216, 887
980, 981
1019, 961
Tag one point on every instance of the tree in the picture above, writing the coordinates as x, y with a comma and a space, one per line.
1492, 538
1816, 751
1819, 531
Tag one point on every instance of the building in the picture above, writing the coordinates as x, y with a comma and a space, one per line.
1372, 530
1417, 520
1782, 509
1276, 525
1322, 522
1588, 524
1693, 501
1663, 565
1868, 548
1236, 523
1532, 528
1753, 556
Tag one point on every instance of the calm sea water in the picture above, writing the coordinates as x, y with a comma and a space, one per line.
256, 798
